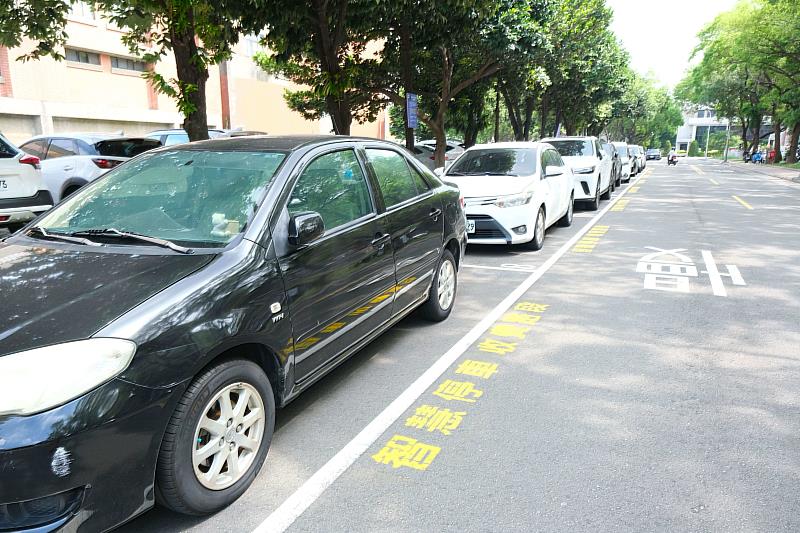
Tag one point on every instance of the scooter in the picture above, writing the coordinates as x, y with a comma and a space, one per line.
672, 160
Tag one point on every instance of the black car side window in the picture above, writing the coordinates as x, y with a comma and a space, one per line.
334, 186
394, 177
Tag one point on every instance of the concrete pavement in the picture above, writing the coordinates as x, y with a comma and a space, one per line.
646, 381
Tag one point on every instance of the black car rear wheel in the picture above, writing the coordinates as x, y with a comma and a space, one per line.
442, 295
217, 439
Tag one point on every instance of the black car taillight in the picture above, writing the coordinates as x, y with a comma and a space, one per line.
31, 160
105, 163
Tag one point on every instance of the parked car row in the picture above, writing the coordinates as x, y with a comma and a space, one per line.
56, 166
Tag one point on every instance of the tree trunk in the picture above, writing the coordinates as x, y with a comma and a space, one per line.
756, 129
497, 112
530, 104
791, 155
341, 117
441, 140
543, 113
513, 114
408, 76
557, 125
192, 78
474, 111
776, 130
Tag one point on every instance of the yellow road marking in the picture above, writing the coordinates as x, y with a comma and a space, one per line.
620, 205
748, 206
634, 190
696, 169
712, 180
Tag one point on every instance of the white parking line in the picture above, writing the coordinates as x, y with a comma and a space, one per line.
285, 515
503, 268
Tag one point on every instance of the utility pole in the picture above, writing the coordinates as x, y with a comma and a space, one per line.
708, 136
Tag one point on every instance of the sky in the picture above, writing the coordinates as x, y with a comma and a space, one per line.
660, 36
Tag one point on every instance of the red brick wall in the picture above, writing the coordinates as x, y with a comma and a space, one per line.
5, 73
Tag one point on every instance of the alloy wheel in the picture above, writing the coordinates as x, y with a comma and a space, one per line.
228, 436
446, 284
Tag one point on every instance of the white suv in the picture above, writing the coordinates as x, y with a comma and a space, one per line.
591, 166
70, 161
22, 195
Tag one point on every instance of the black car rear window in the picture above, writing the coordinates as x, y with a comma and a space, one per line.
125, 147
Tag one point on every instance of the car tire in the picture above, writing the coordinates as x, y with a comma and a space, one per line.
442, 295
618, 183
537, 241
566, 220
594, 204
178, 477
13, 228
607, 194
69, 191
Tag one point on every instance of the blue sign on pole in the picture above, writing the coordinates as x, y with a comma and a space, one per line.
411, 109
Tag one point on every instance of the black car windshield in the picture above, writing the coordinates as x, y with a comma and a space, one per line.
496, 162
569, 148
198, 198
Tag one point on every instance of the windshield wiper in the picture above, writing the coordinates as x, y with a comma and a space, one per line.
455, 174
60, 236
113, 232
491, 174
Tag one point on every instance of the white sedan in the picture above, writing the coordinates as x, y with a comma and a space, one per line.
513, 192
592, 168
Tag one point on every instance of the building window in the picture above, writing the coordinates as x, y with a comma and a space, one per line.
124, 63
79, 56
82, 10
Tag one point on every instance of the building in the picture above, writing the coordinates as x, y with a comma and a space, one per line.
99, 87
698, 124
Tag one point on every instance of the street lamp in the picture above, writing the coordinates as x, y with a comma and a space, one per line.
727, 138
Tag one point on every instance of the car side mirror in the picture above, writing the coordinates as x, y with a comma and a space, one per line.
305, 228
439, 171
553, 170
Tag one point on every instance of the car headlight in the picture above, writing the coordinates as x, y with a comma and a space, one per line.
515, 200
40, 379
583, 170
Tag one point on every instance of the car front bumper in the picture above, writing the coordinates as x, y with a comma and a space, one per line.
20, 210
85, 466
496, 225
586, 186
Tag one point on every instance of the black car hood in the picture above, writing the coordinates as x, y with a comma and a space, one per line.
50, 295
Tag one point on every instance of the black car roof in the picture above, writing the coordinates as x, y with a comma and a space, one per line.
257, 143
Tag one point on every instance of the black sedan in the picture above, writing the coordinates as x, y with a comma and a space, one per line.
653, 153
154, 321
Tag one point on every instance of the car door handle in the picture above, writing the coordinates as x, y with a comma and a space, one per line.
68, 167
435, 213
381, 240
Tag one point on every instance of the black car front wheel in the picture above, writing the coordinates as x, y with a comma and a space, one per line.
217, 439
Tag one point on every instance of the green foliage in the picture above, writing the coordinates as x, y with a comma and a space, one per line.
42, 21
646, 114
694, 149
666, 146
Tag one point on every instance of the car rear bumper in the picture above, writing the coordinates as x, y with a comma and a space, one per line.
85, 466
19, 210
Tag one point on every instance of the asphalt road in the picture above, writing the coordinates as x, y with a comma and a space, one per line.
650, 394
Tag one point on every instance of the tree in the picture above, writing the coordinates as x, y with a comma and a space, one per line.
199, 33
666, 147
645, 114
694, 149
322, 44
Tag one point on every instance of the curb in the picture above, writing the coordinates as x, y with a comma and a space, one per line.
756, 169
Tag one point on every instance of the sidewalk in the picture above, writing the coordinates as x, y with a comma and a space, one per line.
789, 174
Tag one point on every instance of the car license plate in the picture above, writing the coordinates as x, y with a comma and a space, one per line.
3, 184
470, 226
